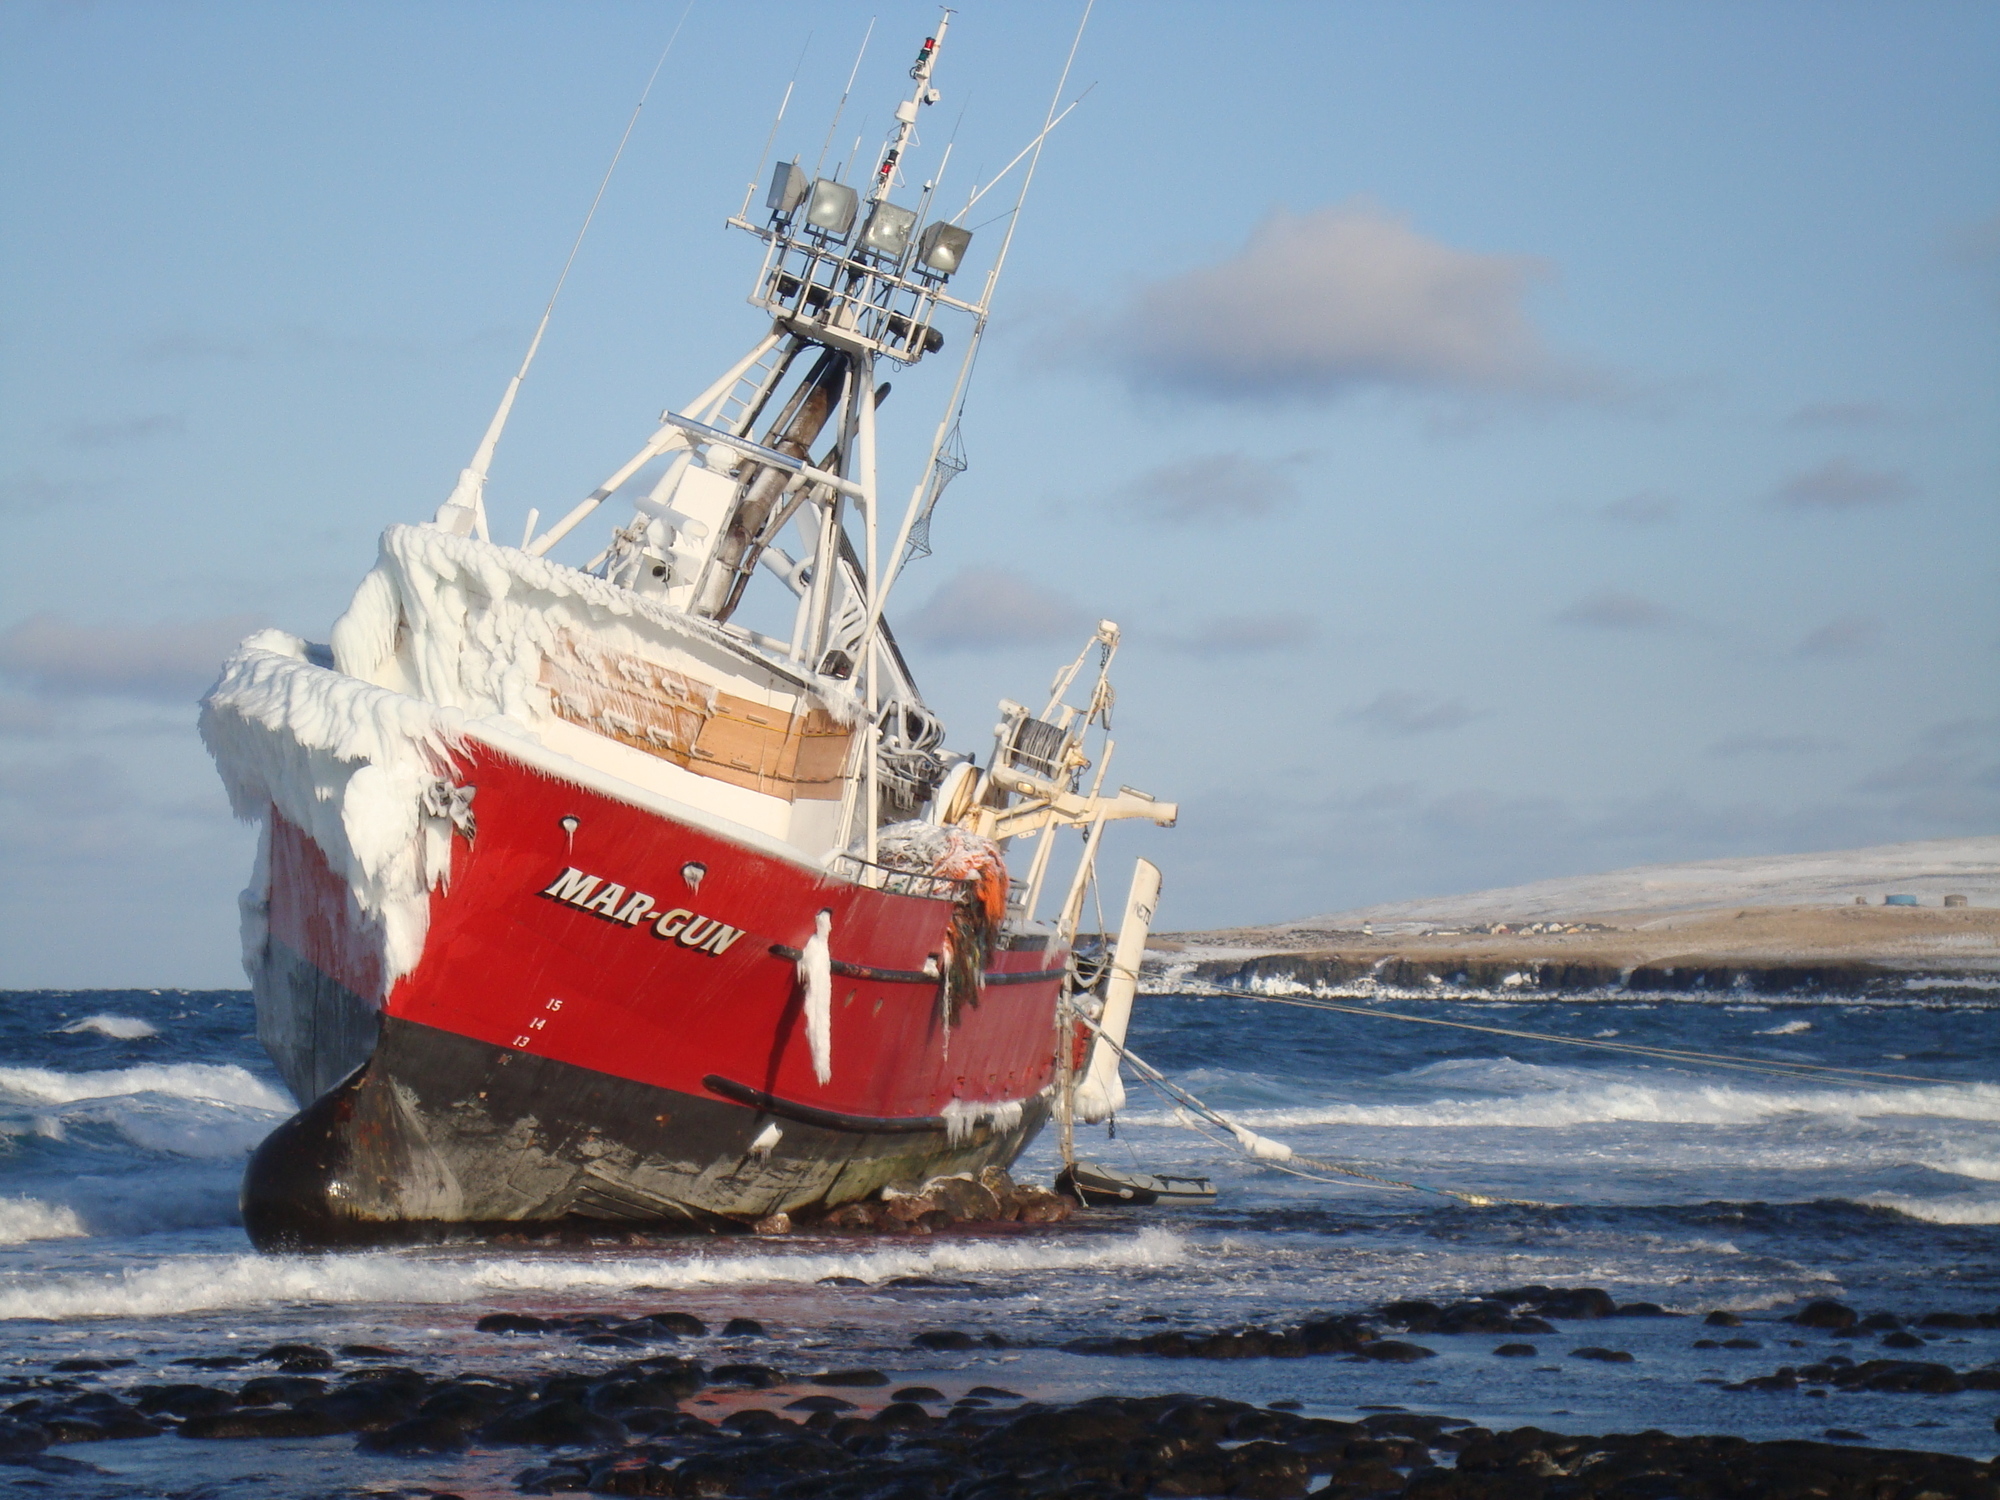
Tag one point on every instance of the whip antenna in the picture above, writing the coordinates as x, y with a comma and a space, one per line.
468, 496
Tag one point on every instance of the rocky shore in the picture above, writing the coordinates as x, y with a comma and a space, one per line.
659, 1403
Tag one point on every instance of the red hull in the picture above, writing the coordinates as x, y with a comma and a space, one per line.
595, 1014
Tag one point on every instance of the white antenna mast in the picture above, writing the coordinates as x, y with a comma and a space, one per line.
879, 591
465, 510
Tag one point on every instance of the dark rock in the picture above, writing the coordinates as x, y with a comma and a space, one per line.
743, 1328
257, 1423
415, 1435
757, 1377
369, 1351
1573, 1303
65, 1427
640, 1331
1843, 1435
298, 1359
1603, 1356
278, 1390
917, 1393
1901, 1340
849, 1377
1516, 1351
552, 1479
1641, 1310
944, 1338
1721, 1319
1411, 1312
1947, 1320
552, 1424
610, 1341
1742, 1344
181, 1400
904, 1416
212, 1361
1881, 1322
841, 1281
511, 1323
687, 1325
89, 1366
1825, 1313
18, 1437
994, 1393
1395, 1351
1529, 1325
756, 1422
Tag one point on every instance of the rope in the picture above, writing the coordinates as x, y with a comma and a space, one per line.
1814, 1072
1275, 1154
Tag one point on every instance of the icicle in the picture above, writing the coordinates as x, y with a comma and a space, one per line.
816, 975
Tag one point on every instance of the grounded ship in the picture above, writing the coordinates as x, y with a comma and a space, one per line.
581, 904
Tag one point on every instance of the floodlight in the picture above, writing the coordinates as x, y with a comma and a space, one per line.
941, 247
887, 231
832, 207
788, 188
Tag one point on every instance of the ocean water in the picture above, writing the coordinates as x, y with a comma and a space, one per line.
125, 1118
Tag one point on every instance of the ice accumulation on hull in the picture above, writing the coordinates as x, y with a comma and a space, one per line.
577, 901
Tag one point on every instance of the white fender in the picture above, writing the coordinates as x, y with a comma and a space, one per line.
1100, 1093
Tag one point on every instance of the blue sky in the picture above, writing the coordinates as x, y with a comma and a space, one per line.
1516, 439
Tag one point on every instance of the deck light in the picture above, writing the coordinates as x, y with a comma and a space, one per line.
941, 247
887, 231
788, 188
832, 207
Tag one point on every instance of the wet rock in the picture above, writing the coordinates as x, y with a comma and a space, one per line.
917, 1393
551, 1424
89, 1366
416, 1435
511, 1323
840, 1281
1395, 1351
994, 1393
773, 1225
1901, 1340
297, 1359
278, 1390
258, 1423
212, 1361
1516, 1351
1845, 1435
1641, 1310
1574, 1303
1881, 1322
1825, 1313
944, 1339
181, 1400
849, 1377
610, 1341
756, 1422
1603, 1356
369, 1351
757, 1377
1721, 1319
904, 1416
686, 1325
18, 1437
1946, 1320
743, 1328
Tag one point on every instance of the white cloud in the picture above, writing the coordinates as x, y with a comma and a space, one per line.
1241, 635
1647, 508
1213, 486
1850, 635
1400, 713
1843, 484
1611, 609
984, 609
172, 661
1738, 745
1334, 299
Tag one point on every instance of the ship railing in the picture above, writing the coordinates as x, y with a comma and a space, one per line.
879, 877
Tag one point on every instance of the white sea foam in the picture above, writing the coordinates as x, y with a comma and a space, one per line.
1786, 1028
221, 1083
1940, 1210
1665, 1104
23, 1219
205, 1283
123, 1028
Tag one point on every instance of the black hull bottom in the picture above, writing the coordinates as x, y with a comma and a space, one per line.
438, 1137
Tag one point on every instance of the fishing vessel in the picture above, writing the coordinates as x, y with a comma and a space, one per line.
580, 902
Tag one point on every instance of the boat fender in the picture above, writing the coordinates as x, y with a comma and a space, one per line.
816, 979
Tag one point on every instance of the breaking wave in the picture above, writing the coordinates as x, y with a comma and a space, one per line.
120, 1028
23, 1219
1940, 1210
221, 1083
205, 1283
